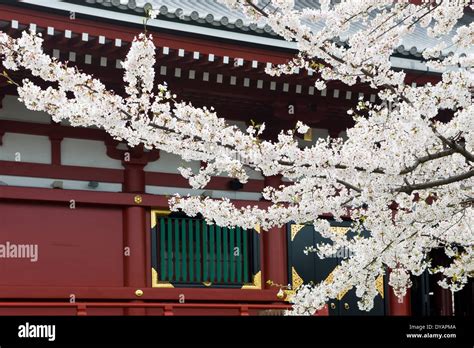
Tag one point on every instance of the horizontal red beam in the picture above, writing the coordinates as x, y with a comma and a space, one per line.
112, 31
41, 170
94, 197
168, 308
140, 305
87, 197
127, 293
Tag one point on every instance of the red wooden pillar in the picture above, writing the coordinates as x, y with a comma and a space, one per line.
55, 149
134, 247
274, 248
134, 218
443, 304
134, 232
399, 306
134, 177
442, 299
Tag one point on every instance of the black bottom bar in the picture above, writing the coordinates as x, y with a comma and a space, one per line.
290, 331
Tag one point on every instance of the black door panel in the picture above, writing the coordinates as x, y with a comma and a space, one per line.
301, 237
304, 269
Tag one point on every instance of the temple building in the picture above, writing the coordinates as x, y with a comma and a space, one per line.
90, 215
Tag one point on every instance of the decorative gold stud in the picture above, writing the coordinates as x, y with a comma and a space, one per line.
138, 199
139, 292
281, 294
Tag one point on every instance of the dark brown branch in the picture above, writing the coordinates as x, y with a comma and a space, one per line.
409, 188
397, 24
350, 186
407, 170
390, 17
425, 159
454, 145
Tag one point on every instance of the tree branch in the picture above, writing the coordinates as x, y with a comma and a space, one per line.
425, 159
409, 188
454, 145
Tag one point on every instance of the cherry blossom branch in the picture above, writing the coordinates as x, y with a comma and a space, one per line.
427, 158
454, 146
435, 183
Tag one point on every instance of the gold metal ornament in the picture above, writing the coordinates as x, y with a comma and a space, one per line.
138, 199
281, 294
256, 284
294, 229
156, 283
139, 292
308, 136
297, 280
379, 285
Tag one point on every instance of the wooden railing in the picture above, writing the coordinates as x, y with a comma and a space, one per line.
168, 308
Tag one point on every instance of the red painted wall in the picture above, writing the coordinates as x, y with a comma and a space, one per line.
80, 252
76, 247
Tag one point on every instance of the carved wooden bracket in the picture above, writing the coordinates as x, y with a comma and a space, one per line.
135, 155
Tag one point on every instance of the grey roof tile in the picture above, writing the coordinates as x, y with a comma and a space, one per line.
215, 14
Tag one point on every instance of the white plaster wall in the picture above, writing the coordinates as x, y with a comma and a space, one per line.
86, 153
30, 148
254, 174
169, 163
250, 196
16, 111
170, 191
25, 181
